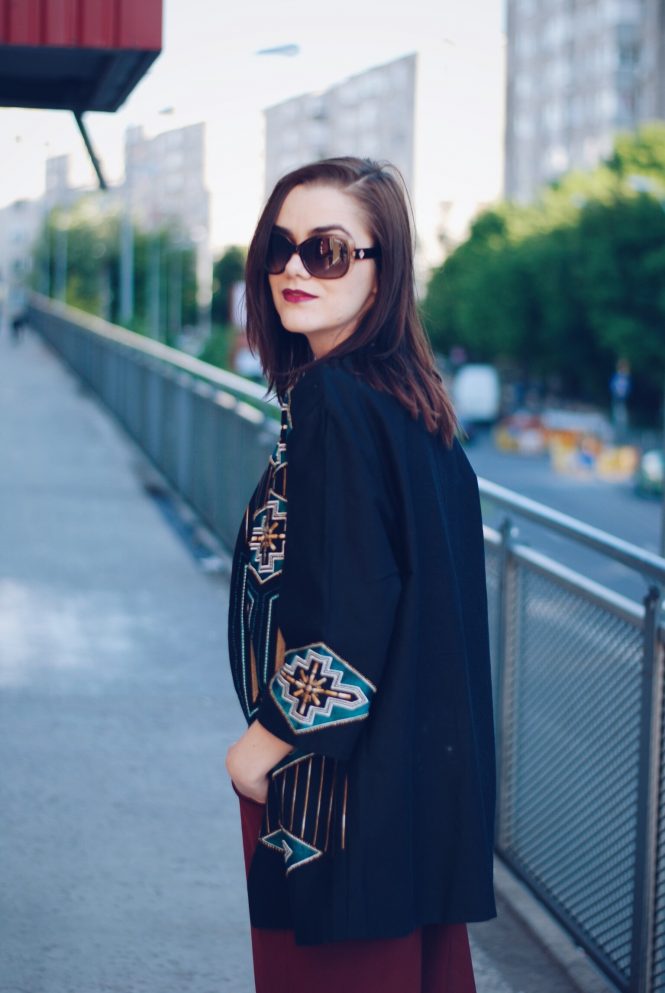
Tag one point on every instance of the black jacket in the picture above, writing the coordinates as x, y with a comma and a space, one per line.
358, 633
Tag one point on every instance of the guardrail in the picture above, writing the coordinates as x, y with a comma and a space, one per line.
578, 679
578, 669
207, 431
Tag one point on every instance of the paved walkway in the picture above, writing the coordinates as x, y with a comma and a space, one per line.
120, 851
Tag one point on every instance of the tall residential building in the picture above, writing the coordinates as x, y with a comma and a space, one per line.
437, 114
164, 179
350, 115
579, 71
59, 191
164, 183
652, 95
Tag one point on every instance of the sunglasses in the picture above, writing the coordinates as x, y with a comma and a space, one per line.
326, 256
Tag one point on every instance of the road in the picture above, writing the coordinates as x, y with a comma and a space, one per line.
613, 507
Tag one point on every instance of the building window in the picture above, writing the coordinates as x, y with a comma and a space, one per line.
627, 46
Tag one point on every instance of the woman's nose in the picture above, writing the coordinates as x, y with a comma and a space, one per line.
294, 267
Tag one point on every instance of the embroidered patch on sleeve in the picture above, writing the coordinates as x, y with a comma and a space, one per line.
316, 688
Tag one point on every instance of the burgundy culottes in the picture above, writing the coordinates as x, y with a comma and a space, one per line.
434, 959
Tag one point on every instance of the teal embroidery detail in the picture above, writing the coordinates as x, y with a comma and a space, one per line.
268, 538
316, 688
296, 851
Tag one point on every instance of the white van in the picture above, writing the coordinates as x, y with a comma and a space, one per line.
476, 393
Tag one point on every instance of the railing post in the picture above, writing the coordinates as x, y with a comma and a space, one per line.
503, 668
644, 894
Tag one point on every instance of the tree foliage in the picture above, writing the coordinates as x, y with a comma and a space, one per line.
567, 286
83, 245
226, 271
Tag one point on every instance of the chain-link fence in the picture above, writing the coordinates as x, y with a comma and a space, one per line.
577, 668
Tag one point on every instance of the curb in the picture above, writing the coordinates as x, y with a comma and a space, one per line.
557, 942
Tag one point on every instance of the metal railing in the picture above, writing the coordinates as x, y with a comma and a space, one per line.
577, 668
208, 432
578, 693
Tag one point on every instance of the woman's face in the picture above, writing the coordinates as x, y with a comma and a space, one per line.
326, 311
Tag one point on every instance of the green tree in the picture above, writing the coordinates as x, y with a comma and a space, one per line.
164, 271
640, 153
226, 271
566, 286
622, 273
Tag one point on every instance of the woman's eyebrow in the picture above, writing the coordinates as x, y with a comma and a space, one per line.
330, 227
321, 229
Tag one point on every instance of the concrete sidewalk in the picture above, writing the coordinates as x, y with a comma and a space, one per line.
120, 850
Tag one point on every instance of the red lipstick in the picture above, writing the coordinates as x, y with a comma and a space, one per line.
296, 296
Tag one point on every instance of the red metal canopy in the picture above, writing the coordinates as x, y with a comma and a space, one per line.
76, 54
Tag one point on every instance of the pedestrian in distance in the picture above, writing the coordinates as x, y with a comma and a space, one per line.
358, 628
18, 324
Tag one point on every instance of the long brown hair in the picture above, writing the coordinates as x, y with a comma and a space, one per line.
389, 349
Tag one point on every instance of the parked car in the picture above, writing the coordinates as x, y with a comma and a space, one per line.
650, 473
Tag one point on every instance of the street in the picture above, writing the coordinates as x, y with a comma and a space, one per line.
613, 507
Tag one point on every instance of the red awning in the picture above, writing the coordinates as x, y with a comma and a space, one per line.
76, 54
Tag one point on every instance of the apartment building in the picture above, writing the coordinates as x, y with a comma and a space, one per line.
578, 72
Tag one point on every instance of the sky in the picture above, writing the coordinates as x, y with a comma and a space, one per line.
209, 70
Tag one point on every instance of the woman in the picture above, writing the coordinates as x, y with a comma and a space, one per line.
358, 618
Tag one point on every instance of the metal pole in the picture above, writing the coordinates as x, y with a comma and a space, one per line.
47, 242
61, 263
154, 288
176, 295
105, 294
503, 670
662, 518
91, 152
126, 269
650, 748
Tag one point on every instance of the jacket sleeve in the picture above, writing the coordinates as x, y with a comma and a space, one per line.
341, 582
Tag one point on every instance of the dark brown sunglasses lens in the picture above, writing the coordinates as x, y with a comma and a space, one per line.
325, 256
280, 250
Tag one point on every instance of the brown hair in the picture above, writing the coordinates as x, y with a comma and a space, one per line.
389, 349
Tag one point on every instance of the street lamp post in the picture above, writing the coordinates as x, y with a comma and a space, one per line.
176, 290
61, 260
126, 268
46, 286
154, 287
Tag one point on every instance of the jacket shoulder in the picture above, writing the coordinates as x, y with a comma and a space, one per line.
333, 387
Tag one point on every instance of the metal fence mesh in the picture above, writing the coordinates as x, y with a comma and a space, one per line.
571, 739
658, 961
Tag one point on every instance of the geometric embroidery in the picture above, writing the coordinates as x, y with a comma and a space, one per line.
296, 851
315, 687
278, 457
255, 646
268, 537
